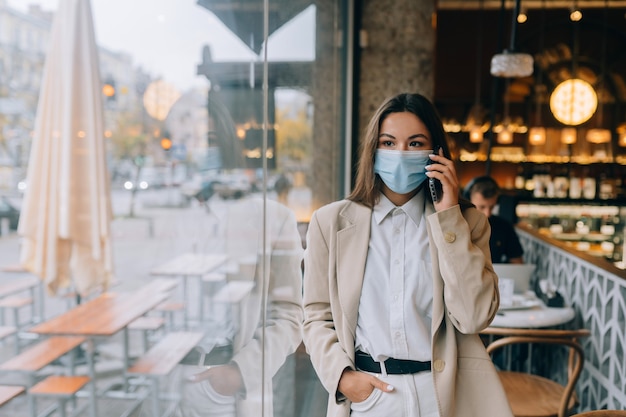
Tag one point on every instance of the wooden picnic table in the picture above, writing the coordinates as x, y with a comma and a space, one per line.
101, 317
191, 265
22, 284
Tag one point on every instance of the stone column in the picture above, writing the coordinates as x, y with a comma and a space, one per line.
326, 89
399, 53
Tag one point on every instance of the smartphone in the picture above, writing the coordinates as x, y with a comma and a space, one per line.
434, 185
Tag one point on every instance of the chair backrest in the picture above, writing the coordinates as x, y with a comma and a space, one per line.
602, 413
567, 338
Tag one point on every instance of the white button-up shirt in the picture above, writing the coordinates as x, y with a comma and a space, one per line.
395, 309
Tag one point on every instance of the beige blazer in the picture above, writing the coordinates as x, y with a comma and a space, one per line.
465, 301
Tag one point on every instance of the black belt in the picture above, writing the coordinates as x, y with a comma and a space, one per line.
364, 362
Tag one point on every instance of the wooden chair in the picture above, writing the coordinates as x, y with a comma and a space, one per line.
531, 395
602, 413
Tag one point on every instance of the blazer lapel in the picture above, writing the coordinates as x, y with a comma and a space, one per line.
352, 246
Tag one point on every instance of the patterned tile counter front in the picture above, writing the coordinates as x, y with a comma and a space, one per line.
599, 298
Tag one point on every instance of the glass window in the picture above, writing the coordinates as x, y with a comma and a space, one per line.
222, 128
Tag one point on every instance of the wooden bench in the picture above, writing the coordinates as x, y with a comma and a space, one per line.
161, 359
15, 303
233, 292
160, 285
168, 308
8, 392
146, 325
61, 387
10, 297
6, 331
37, 356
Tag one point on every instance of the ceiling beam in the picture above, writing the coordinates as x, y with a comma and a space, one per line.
528, 4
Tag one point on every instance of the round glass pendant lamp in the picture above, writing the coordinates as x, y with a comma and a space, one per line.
537, 136
476, 134
573, 102
568, 135
505, 136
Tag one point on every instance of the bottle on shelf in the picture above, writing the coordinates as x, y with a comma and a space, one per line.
561, 183
520, 178
575, 185
588, 185
619, 248
606, 185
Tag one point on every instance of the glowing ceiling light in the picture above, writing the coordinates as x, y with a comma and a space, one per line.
573, 102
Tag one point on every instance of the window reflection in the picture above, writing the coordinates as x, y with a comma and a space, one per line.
210, 149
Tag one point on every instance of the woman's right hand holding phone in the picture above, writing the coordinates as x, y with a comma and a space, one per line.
443, 169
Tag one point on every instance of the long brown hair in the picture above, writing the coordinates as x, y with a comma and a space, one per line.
367, 185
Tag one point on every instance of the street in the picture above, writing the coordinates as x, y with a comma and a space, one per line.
162, 226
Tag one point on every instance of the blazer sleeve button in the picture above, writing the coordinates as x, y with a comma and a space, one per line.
439, 365
449, 237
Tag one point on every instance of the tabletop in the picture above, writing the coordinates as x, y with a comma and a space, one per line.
18, 285
104, 315
191, 264
534, 316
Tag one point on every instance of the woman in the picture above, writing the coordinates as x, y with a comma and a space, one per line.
397, 287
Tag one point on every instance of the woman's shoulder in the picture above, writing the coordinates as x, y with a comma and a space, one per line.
334, 207
343, 208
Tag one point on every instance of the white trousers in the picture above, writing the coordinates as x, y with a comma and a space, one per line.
413, 396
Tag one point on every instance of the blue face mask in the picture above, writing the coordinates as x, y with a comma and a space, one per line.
401, 171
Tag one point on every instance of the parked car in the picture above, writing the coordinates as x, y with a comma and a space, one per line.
9, 211
148, 178
234, 185
229, 185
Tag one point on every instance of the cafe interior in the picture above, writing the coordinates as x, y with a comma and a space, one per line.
530, 92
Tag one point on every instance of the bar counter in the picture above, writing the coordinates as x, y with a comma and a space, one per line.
596, 288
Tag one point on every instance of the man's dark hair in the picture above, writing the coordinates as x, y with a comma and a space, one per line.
485, 186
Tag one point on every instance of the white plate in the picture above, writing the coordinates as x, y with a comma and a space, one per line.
520, 303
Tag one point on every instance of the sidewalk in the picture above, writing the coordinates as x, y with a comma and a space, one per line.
139, 244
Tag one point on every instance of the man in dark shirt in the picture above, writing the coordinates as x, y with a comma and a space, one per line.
505, 247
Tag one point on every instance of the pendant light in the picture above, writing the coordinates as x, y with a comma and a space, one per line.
537, 133
511, 64
573, 101
575, 14
475, 117
600, 134
568, 135
505, 134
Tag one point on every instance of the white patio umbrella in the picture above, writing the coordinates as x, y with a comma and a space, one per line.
66, 213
